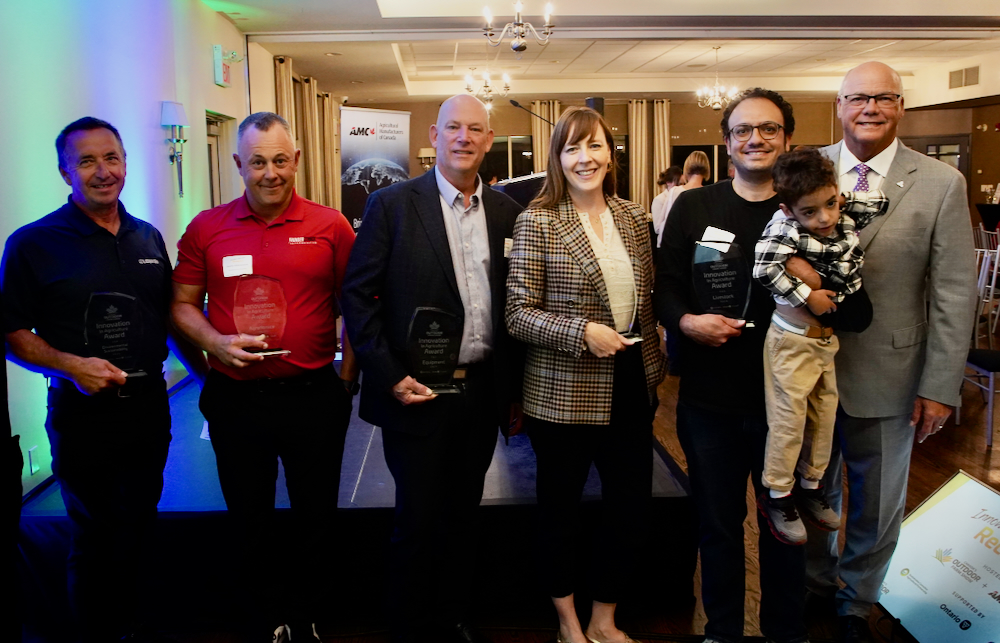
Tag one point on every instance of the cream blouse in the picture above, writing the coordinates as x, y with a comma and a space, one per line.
616, 267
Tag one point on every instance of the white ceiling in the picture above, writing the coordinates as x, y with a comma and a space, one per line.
639, 51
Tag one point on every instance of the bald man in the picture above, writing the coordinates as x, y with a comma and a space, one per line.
436, 241
899, 379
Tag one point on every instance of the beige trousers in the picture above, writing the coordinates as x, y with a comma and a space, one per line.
800, 388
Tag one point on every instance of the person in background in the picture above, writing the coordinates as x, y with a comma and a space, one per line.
696, 169
668, 178
590, 381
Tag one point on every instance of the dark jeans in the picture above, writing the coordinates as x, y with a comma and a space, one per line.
108, 454
303, 421
439, 484
622, 453
722, 450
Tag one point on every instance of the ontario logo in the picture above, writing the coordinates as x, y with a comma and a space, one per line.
434, 326
258, 291
943, 556
111, 310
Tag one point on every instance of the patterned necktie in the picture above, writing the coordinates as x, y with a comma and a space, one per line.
863, 170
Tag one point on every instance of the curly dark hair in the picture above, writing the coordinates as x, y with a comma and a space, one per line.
760, 92
800, 172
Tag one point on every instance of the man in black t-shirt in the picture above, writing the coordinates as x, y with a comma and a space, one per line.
721, 421
86, 291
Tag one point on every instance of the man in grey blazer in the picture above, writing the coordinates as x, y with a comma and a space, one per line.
900, 378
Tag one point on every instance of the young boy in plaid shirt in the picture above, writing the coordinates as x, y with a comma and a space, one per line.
800, 386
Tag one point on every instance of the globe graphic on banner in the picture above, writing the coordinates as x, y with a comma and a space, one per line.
373, 174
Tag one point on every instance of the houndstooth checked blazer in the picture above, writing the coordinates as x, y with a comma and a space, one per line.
554, 287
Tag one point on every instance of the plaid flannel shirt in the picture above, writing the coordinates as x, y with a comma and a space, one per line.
837, 258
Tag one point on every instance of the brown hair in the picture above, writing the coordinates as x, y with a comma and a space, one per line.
574, 125
696, 163
800, 172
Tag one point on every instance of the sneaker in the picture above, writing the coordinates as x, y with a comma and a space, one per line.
813, 506
782, 518
282, 635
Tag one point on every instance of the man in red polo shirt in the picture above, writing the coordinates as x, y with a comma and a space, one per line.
268, 252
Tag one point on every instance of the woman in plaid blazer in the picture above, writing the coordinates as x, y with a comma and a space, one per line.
579, 294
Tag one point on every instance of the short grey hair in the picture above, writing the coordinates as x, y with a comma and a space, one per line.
263, 121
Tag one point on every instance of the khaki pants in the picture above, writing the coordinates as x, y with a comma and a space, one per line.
800, 388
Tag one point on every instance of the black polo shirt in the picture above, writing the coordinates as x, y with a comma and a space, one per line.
51, 267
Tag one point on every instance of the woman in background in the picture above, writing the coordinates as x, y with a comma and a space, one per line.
579, 294
696, 170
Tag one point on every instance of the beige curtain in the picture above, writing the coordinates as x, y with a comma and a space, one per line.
331, 168
661, 138
541, 132
312, 149
640, 154
284, 94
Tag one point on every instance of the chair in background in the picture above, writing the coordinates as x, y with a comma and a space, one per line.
986, 364
989, 306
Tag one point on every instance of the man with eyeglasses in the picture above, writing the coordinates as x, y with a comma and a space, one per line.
721, 418
900, 378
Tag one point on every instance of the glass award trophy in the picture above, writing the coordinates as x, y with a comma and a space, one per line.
433, 342
260, 308
721, 278
113, 330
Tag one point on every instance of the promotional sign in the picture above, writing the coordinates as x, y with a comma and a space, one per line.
943, 582
374, 153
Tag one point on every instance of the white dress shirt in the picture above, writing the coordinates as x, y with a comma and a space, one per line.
470, 255
878, 167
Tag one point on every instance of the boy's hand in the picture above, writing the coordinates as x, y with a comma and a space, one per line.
801, 270
820, 302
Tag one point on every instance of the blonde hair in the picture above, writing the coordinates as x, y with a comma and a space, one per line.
696, 163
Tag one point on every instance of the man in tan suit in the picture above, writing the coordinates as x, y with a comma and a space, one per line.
900, 378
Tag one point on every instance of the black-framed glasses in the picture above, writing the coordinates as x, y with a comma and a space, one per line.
882, 100
744, 131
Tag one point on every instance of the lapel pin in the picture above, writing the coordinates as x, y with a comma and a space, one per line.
899, 183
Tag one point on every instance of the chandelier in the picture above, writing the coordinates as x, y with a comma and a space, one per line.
518, 29
718, 96
487, 92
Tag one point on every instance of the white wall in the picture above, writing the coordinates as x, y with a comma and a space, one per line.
930, 86
65, 59
261, 64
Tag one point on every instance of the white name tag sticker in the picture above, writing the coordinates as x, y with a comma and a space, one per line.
236, 265
508, 243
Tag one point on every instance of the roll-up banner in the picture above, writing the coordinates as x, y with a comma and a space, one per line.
374, 153
943, 582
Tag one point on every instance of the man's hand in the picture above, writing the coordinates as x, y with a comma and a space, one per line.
711, 330
410, 391
93, 375
229, 349
604, 341
801, 270
820, 302
929, 417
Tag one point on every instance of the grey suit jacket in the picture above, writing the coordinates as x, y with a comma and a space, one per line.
920, 274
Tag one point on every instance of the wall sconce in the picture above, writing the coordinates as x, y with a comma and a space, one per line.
982, 128
172, 115
427, 156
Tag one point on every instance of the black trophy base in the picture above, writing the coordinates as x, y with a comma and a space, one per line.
444, 389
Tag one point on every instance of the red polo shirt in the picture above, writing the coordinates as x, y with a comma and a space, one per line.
305, 248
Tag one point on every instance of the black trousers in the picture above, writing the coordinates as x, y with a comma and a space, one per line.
622, 453
439, 483
302, 420
108, 454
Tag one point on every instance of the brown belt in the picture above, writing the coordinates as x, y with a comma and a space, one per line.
813, 332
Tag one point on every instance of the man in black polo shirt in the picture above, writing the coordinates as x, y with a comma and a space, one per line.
86, 292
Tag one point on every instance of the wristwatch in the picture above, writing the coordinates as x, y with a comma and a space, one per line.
351, 386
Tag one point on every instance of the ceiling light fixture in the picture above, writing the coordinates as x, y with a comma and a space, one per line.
519, 30
718, 96
487, 92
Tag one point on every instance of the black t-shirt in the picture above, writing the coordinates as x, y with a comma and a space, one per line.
53, 265
729, 378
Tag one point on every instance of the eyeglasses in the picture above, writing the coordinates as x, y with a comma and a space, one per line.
861, 100
744, 131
